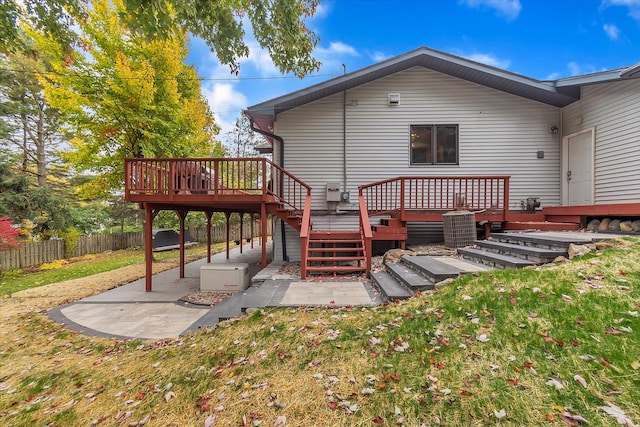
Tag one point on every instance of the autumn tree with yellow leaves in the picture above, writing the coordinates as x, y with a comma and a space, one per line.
124, 95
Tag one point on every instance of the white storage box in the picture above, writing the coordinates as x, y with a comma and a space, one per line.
224, 277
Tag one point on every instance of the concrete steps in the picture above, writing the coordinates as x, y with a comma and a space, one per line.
252, 297
501, 251
420, 273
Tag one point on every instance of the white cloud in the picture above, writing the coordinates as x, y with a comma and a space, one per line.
488, 59
337, 48
225, 102
323, 10
576, 69
510, 9
378, 56
334, 56
260, 59
632, 5
612, 31
554, 76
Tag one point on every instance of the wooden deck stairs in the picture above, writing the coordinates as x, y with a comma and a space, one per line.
327, 252
333, 252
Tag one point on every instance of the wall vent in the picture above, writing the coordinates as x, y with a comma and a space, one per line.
393, 99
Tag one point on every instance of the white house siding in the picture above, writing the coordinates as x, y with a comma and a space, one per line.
500, 134
614, 110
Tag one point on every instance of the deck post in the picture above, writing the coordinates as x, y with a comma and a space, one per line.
181, 217
241, 215
148, 247
208, 214
227, 215
263, 238
253, 218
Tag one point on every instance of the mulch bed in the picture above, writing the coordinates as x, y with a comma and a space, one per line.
209, 299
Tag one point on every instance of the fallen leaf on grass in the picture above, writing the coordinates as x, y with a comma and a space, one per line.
580, 380
211, 420
617, 413
202, 403
500, 414
482, 338
280, 421
169, 395
573, 419
555, 382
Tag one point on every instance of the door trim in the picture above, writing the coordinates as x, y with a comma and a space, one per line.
564, 185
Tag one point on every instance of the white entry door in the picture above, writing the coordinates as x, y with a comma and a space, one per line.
579, 168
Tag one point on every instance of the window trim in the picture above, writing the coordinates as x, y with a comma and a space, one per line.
434, 145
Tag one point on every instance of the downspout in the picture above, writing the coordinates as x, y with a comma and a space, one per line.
344, 135
281, 155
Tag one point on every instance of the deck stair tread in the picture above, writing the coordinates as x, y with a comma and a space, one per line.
334, 234
336, 258
328, 249
390, 286
335, 268
411, 279
332, 241
432, 267
497, 259
542, 254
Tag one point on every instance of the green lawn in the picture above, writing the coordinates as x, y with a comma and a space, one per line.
550, 346
17, 280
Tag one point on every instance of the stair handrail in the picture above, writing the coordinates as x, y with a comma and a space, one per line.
305, 231
365, 232
439, 193
287, 189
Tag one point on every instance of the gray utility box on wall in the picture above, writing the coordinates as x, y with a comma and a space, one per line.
333, 192
224, 277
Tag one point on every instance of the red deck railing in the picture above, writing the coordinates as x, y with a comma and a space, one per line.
436, 193
365, 233
169, 179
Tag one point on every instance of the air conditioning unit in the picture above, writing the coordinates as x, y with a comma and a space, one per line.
459, 229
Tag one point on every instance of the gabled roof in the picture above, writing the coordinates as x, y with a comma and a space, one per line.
558, 93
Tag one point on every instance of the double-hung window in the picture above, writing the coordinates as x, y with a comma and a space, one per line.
434, 144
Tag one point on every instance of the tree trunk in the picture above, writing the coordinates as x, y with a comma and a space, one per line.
40, 150
25, 146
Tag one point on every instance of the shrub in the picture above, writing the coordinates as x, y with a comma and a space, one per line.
71, 237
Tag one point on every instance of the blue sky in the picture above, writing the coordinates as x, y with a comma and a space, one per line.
543, 39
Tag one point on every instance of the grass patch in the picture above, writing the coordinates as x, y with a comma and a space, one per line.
497, 348
15, 281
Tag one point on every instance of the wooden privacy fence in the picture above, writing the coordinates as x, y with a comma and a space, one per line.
36, 253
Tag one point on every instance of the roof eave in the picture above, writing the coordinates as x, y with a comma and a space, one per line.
445, 63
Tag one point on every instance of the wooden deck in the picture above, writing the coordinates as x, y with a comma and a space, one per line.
252, 186
258, 187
